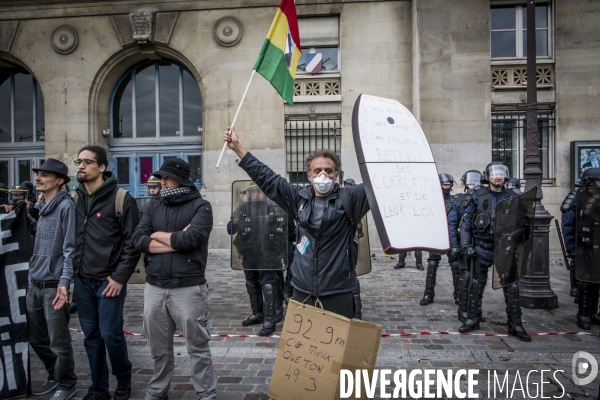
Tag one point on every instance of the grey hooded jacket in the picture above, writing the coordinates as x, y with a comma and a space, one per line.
54, 247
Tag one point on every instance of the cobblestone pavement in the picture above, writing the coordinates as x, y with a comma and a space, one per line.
391, 299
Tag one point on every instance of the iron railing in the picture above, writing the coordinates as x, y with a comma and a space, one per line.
305, 136
509, 138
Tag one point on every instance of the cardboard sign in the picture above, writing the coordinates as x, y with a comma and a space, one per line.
400, 176
314, 346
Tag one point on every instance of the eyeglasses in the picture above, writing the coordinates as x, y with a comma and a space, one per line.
85, 161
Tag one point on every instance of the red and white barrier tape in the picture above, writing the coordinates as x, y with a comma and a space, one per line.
404, 334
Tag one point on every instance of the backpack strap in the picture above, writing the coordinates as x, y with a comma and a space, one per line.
120, 203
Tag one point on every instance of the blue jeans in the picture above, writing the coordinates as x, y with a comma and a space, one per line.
49, 336
101, 320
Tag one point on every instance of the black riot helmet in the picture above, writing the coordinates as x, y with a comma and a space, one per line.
589, 177
471, 180
254, 193
24, 191
495, 170
513, 183
3, 194
153, 186
447, 178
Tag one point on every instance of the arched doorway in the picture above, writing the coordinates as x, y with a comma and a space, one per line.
155, 113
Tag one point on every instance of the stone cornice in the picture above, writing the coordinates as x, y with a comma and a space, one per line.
35, 9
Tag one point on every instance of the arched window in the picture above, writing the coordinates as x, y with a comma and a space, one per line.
155, 113
155, 100
21, 107
22, 125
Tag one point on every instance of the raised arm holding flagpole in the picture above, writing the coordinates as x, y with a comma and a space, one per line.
278, 57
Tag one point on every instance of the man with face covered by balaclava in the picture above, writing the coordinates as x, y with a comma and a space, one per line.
323, 268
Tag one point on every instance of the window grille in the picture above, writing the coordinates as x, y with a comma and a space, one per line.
304, 137
509, 137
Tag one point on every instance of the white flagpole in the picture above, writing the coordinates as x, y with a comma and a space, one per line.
236, 115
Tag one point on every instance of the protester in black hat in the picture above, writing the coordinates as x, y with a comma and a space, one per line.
50, 274
106, 259
174, 233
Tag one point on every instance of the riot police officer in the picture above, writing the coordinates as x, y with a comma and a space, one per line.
153, 186
564, 208
262, 281
514, 184
447, 182
581, 230
24, 192
478, 224
471, 181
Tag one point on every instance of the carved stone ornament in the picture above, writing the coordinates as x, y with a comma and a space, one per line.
143, 24
228, 31
65, 39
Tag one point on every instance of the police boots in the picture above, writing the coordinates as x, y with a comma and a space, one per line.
474, 293
573, 290
269, 324
419, 258
588, 304
455, 279
463, 296
429, 294
401, 261
514, 322
254, 292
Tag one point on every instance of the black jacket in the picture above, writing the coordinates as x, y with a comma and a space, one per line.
185, 266
323, 267
104, 246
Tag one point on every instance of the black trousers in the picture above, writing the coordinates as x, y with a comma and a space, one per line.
341, 303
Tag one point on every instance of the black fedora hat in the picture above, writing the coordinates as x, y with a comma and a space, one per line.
56, 166
177, 169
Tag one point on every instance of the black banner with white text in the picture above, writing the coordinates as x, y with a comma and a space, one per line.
16, 246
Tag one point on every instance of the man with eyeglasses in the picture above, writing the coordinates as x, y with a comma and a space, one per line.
323, 268
104, 260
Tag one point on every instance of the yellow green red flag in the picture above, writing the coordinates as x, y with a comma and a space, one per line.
281, 50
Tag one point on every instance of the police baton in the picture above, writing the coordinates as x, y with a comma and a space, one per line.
562, 245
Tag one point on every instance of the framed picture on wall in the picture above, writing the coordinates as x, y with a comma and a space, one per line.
584, 154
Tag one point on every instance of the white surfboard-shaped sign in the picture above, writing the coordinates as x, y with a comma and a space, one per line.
400, 176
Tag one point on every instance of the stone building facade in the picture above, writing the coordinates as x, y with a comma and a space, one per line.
153, 79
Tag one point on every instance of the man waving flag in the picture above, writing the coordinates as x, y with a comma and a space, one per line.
280, 53
278, 57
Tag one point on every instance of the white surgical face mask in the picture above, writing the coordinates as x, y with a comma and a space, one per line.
322, 183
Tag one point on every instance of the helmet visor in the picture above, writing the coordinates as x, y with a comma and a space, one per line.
497, 171
472, 178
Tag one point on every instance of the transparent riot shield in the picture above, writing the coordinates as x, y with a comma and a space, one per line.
258, 228
363, 263
587, 244
513, 238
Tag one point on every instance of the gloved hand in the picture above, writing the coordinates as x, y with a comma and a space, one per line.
456, 252
469, 252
